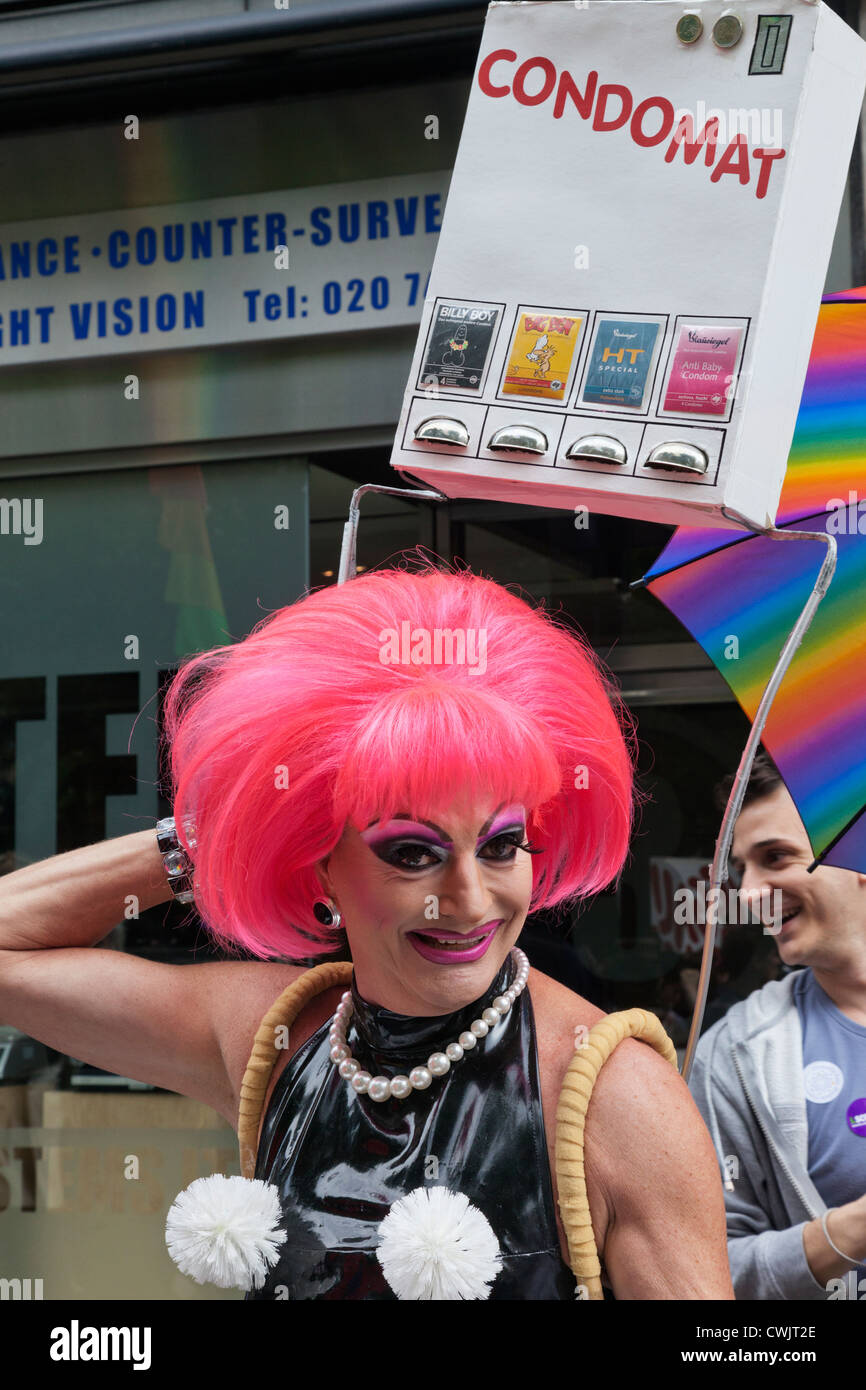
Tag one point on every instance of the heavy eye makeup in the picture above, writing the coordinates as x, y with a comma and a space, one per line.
403, 851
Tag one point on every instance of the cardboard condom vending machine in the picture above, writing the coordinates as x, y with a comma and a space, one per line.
627, 280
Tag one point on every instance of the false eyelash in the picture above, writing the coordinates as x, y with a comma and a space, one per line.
513, 838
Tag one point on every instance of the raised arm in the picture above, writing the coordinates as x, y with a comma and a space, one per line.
182, 1027
75, 899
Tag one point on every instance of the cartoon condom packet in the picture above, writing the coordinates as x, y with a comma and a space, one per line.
541, 354
459, 345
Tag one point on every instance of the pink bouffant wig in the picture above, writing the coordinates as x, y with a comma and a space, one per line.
322, 718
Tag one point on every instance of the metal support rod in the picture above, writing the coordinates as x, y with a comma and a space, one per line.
348, 554
719, 870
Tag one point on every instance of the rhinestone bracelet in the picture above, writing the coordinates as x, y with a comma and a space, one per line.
178, 865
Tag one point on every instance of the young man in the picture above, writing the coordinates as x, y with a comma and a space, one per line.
781, 1079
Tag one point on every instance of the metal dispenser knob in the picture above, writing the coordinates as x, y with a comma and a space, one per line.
678, 457
442, 430
598, 448
524, 439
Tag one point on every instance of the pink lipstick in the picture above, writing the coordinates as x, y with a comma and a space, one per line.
432, 945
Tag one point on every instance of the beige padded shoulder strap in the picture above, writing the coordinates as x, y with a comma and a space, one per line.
266, 1050
574, 1098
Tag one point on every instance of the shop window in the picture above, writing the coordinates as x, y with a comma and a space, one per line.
133, 570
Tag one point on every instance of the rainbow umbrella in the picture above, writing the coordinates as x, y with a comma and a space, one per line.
740, 594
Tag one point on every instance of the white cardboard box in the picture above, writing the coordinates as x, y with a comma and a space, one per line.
575, 195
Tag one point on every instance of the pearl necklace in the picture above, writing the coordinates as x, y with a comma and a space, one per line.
438, 1063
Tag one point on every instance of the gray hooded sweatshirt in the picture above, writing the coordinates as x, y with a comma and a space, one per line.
747, 1082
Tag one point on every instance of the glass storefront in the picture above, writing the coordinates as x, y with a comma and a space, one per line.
134, 570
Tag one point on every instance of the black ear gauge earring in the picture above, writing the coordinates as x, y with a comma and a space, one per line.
326, 911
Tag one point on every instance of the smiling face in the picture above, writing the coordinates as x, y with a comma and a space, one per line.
823, 913
389, 879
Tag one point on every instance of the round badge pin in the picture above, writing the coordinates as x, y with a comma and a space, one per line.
856, 1117
822, 1082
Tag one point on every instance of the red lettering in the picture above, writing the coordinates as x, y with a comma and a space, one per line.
548, 323
636, 127
484, 82
735, 160
520, 81
612, 89
684, 135
766, 157
568, 87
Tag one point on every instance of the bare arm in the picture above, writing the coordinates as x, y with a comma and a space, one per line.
75, 899
847, 1226
187, 1028
649, 1152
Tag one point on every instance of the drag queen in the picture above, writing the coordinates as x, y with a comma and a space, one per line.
418, 760
400, 769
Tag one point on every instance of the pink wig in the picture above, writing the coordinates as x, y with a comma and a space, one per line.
313, 722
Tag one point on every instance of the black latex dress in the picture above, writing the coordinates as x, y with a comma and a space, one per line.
339, 1160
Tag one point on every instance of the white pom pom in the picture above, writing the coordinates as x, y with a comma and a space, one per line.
223, 1231
435, 1244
